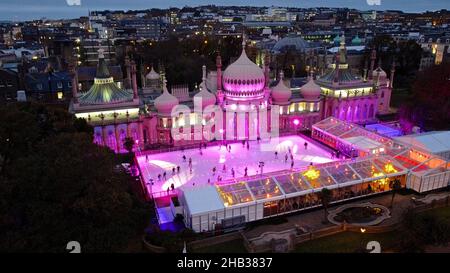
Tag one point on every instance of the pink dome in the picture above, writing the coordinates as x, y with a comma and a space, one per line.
310, 91
281, 93
243, 79
165, 103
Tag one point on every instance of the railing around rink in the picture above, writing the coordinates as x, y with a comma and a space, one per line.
213, 143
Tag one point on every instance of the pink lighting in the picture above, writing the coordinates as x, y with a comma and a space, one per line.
213, 157
296, 122
233, 107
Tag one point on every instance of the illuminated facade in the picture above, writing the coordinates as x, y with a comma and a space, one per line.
243, 94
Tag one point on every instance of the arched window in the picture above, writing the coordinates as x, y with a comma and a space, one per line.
371, 111
349, 113
365, 111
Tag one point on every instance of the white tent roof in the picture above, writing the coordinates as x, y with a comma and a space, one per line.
363, 143
202, 199
434, 142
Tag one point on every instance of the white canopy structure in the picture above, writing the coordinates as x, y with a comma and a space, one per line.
272, 194
436, 142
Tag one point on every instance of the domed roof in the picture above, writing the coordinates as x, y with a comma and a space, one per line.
281, 93
291, 41
104, 90
337, 39
243, 69
243, 76
165, 102
207, 98
356, 40
152, 75
310, 90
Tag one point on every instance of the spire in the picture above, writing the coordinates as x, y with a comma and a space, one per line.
101, 54
342, 51
204, 72
281, 75
102, 68
164, 80
391, 82
373, 57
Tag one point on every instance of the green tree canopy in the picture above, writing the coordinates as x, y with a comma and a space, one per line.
58, 186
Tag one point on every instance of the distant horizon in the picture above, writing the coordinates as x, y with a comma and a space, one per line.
26, 10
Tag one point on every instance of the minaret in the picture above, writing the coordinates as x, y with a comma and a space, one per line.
372, 63
366, 64
336, 75
74, 73
267, 68
219, 72
391, 83
127, 67
342, 51
219, 92
133, 79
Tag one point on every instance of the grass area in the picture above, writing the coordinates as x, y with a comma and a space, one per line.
440, 213
347, 242
234, 246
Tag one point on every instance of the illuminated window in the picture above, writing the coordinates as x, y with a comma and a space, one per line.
292, 108
302, 106
192, 118
60, 95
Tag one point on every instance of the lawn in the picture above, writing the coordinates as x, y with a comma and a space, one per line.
441, 213
347, 242
234, 246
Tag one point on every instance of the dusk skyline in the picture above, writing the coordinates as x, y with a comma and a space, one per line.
55, 9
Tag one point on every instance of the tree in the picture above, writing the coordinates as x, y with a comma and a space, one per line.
429, 104
325, 196
61, 187
395, 186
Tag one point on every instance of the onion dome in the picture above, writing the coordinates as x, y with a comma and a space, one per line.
311, 91
281, 93
207, 98
152, 75
337, 40
356, 40
165, 102
243, 78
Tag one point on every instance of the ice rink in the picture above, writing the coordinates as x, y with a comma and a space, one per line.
238, 159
